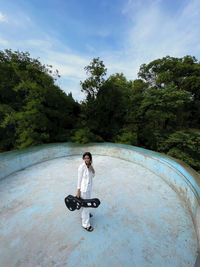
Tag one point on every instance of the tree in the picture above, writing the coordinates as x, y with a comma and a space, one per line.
185, 145
109, 109
33, 110
184, 73
160, 72
96, 71
84, 135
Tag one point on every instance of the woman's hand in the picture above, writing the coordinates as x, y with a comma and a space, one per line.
91, 168
78, 194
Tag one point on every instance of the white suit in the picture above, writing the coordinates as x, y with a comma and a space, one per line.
85, 180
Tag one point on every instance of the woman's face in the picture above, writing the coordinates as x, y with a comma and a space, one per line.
87, 159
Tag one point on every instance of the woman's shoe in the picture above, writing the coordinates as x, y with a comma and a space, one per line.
89, 229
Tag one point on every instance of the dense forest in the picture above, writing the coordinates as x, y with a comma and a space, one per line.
160, 110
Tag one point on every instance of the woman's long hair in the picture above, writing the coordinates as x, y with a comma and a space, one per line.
89, 155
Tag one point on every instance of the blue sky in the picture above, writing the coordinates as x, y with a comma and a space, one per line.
68, 34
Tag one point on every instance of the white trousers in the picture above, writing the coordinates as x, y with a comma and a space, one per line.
85, 212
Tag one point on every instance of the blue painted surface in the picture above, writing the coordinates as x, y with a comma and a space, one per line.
146, 220
59, 150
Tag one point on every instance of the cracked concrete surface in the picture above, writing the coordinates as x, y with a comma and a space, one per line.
141, 221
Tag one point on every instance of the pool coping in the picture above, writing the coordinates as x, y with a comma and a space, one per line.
181, 177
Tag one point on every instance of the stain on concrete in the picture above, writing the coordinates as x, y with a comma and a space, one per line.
141, 220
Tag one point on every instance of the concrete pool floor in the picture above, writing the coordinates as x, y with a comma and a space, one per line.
141, 221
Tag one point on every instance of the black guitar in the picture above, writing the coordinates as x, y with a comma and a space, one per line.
74, 203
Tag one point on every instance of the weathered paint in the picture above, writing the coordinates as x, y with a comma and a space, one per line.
36, 227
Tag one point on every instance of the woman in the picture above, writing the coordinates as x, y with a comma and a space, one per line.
86, 174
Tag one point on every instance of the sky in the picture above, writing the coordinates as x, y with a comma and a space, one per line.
124, 34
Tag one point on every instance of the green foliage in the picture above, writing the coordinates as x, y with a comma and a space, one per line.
184, 73
163, 111
185, 145
84, 136
148, 111
160, 110
33, 110
96, 72
127, 137
104, 115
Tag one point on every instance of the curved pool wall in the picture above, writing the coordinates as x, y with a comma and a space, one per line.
184, 180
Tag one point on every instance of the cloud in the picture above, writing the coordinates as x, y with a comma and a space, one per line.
50, 51
4, 43
20, 19
153, 31
71, 68
155, 34
191, 10
38, 43
3, 18
70, 65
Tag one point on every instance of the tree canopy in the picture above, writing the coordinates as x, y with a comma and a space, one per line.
160, 110
33, 110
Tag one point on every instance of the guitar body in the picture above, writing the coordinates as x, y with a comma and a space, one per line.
74, 203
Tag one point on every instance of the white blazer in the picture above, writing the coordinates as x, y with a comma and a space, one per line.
85, 177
